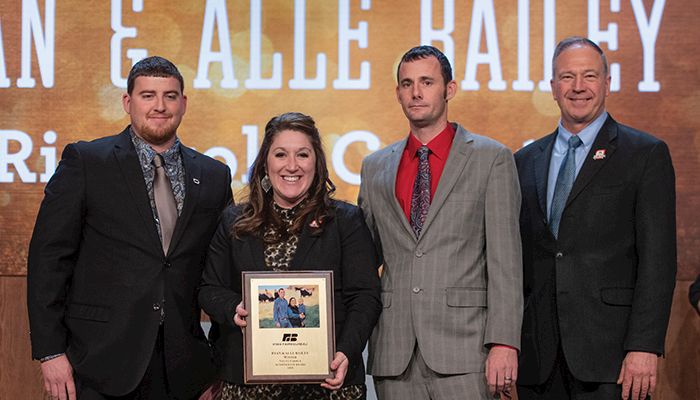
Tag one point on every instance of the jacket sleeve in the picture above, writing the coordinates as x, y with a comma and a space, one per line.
503, 253
365, 204
655, 234
360, 280
216, 294
53, 253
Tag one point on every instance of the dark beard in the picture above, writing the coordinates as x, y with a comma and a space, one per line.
156, 137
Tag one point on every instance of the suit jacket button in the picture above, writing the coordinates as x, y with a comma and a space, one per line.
419, 253
156, 307
166, 264
416, 289
559, 255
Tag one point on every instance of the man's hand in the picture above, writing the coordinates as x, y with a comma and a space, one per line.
58, 378
638, 375
501, 369
339, 366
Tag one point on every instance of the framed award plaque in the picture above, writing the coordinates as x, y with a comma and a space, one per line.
290, 335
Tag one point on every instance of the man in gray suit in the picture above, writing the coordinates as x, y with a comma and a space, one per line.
443, 206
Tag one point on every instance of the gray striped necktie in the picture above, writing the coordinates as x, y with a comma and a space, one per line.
165, 202
565, 181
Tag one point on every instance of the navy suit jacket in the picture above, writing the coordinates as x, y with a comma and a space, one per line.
605, 286
97, 274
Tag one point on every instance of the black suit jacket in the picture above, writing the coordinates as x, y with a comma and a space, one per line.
605, 286
344, 246
97, 273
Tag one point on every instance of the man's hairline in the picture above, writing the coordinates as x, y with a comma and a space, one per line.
180, 86
580, 46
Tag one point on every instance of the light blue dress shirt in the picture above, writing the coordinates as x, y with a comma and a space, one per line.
561, 146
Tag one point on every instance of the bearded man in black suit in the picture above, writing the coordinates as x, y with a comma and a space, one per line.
117, 253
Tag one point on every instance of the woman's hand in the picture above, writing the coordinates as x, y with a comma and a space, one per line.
239, 316
339, 366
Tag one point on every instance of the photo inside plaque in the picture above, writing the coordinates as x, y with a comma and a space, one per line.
288, 306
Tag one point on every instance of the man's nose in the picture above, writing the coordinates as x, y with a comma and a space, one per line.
417, 92
160, 103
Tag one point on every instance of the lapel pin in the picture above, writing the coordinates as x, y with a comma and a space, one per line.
196, 181
314, 224
599, 154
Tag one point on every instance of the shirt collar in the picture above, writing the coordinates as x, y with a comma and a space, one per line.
142, 147
587, 134
439, 146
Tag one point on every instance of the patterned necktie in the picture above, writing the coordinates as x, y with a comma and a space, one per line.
420, 199
565, 180
165, 202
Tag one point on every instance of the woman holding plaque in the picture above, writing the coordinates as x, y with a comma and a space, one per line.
289, 223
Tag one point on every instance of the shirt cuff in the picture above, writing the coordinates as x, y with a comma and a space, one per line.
503, 345
51, 357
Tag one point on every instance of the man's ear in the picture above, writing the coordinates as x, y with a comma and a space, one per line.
126, 100
450, 90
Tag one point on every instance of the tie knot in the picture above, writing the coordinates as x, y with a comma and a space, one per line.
574, 141
158, 161
423, 152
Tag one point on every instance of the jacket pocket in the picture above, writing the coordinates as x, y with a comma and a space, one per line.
466, 297
88, 312
617, 296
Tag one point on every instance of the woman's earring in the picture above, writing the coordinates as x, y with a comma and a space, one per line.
265, 183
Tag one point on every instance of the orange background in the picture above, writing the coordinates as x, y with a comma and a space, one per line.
83, 104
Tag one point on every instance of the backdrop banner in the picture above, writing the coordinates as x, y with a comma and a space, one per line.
63, 68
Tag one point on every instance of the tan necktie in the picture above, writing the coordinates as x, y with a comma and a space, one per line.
165, 202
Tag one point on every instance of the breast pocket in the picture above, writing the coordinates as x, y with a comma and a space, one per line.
608, 190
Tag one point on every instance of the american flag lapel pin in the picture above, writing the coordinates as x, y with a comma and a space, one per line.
599, 154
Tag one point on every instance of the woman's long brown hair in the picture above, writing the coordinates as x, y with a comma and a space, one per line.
258, 213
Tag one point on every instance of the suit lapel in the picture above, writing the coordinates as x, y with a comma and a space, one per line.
192, 188
460, 152
306, 242
541, 169
389, 179
130, 167
605, 140
256, 248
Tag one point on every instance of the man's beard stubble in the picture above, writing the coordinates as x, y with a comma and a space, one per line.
156, 136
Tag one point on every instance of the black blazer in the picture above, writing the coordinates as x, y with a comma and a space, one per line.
609, 278
344, 246
97, 273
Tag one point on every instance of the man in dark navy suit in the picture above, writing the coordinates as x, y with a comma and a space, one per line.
598, 226
117, 254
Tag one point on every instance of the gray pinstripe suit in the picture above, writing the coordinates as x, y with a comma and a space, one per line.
458, 287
